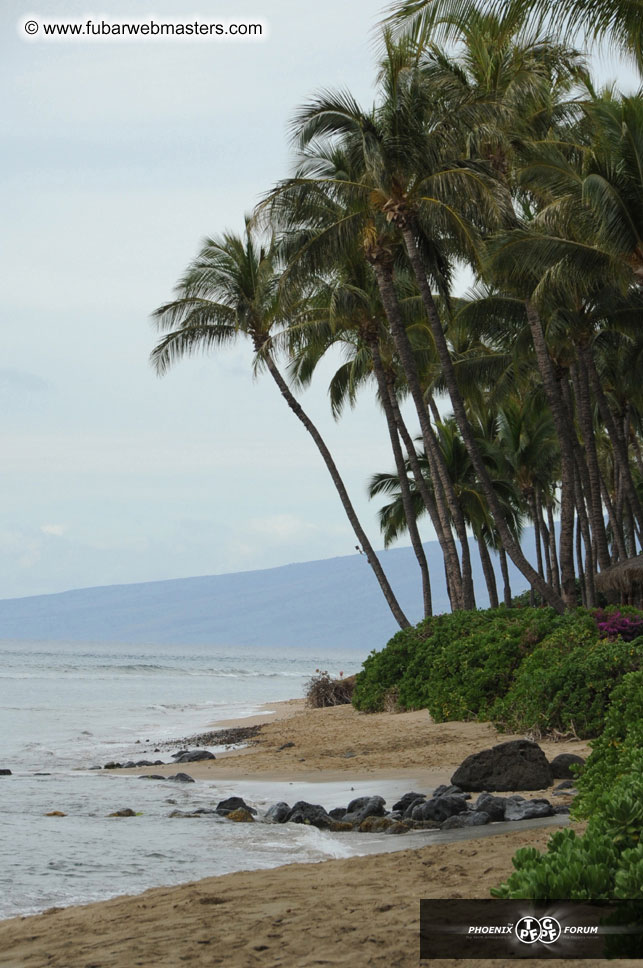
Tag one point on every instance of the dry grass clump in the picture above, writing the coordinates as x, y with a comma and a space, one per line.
322, 691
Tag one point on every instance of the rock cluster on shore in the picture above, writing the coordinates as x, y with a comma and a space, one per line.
183, 756
446, 808
519, 764
514, 765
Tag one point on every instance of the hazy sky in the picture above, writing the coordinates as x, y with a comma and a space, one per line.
118, 158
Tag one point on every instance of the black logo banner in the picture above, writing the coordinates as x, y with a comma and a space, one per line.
496, 928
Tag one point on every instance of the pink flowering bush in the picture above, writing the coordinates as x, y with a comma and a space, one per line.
619, 622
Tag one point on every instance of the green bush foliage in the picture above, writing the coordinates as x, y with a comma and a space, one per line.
618, 751
526, 669
606, 862
454, 665
383, 671
566, 681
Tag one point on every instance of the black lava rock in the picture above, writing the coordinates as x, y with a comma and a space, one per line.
338, 813
516, 765
363, 807
527, 809
404, 802
193, 756
439, 808
565, 786
277, 813
408, 813
224, 807
447, 791
311, 813
472, 818
493, 806
560, 765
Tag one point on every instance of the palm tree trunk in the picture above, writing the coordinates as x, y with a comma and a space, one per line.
618, 537
385, 391
544, 533
511, 545
584, 410
637, 453
383, 275
587, 576
531, 498
502, 554
582, 568
619, 447
582, 489
461, 531
360, 534
564, 429
445, 537
489, 573
552, 547
626, 444
435, 413
630, 533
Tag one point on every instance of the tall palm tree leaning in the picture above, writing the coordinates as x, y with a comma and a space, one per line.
232, 288
345, 311
433, 200
321, 212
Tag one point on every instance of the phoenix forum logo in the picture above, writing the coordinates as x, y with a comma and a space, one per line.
546, 930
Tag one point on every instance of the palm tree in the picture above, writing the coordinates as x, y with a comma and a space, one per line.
324, 210
425, 203
619, 21
345, 311
585, 246
470, 495
406, 170
231, 288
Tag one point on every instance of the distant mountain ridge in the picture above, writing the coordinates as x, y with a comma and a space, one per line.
333, 603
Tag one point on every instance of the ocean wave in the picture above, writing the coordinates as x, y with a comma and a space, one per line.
144, 669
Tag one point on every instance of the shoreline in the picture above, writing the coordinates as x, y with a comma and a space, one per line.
354, 913
297, 742
362, 910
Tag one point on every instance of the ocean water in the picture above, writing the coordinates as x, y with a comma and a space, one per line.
65, 708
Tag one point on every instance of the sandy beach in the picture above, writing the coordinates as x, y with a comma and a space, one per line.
360, 911
338, 742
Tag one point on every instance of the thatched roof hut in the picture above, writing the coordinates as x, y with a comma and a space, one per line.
623, 582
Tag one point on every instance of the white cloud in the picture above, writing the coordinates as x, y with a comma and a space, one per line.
57, 530
282, 527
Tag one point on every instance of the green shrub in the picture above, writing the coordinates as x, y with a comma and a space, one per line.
619, 749
454, 665
383, 671
470, 659
565, 683
605, 863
